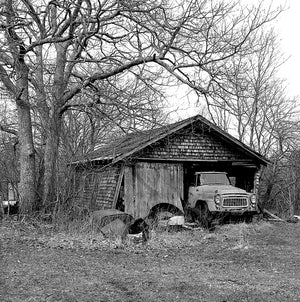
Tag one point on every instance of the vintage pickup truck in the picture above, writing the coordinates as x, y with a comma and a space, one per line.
212, 196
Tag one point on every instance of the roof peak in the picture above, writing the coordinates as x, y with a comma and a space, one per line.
130, 143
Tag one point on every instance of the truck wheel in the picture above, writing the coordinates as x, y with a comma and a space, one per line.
159, 218
248, 218
205, 216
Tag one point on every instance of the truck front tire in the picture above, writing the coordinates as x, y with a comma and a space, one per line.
205, 216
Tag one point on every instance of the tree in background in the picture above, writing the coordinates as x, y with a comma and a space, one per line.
9, 170
55, 52
255, 107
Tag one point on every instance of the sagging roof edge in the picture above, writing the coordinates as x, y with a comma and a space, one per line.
263, 160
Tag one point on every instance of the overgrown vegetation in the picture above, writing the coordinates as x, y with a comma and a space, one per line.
240, 262
279, 190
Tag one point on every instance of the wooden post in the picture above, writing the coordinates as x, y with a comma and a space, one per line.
119, 182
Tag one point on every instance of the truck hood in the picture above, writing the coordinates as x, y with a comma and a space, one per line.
224, 189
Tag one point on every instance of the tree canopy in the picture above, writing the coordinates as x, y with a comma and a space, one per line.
61, 55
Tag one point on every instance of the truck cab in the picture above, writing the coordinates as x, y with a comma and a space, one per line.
212, 196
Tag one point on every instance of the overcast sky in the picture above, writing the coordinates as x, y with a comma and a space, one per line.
288, 27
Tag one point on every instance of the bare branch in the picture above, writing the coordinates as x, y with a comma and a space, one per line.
102, 76
8, 130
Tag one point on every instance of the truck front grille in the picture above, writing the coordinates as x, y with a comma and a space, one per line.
235, 202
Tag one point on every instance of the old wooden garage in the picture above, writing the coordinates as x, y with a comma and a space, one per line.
154, 168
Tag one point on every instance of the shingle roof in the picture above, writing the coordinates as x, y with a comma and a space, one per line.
134, 142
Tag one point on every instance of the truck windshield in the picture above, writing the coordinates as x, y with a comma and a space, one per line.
214, 179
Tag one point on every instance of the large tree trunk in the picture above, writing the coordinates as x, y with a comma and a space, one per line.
53, 129
27, 192
50, 163
27, 189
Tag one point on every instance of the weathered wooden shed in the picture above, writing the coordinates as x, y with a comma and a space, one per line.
152, 168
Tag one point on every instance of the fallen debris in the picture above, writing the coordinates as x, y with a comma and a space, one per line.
274, 217
176, 220
294, 219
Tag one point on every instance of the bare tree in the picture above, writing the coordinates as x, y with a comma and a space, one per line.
8, 151
53, 51
255, 102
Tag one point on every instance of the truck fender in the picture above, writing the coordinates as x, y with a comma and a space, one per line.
210, 204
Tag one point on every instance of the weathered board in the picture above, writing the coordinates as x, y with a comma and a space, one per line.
191, 144
96, 190
148, 184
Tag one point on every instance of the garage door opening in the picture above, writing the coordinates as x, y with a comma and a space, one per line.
240, 175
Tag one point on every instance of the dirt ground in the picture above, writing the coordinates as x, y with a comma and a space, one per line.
241, 262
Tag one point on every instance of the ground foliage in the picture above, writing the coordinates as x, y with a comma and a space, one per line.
240, 262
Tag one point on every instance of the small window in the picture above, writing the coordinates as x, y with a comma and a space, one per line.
232, 180
11, 192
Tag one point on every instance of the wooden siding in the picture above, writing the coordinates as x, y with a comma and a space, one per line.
193, 144
96, 189
8, 190
149, 184
4, 190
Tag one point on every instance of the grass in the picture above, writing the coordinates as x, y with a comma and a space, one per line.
241, 262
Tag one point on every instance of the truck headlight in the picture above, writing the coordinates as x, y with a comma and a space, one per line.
253, 199
217, 199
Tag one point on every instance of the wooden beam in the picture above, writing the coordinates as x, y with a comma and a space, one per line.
118, 186
273, 216
241, 162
